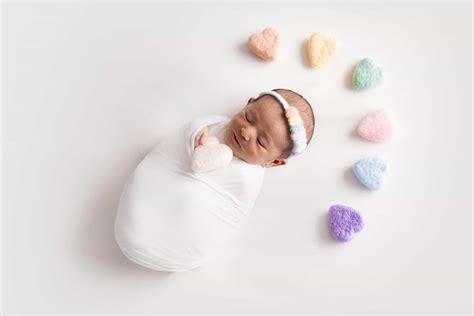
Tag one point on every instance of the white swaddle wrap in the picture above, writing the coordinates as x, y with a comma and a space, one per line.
172, 219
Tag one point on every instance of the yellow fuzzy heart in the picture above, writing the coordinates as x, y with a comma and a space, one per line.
320, 49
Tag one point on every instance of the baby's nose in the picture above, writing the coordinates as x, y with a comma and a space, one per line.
244, 135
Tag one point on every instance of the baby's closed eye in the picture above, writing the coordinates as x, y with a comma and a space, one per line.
248, 118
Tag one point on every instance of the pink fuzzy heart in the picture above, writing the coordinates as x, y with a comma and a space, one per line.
375, 127
264, 44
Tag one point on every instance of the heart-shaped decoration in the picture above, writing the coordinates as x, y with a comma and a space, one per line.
366, 75
375, 127
369, 172
264, 44
320, 49
344, 222
210, 156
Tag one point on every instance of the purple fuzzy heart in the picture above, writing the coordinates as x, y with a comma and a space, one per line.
343, 222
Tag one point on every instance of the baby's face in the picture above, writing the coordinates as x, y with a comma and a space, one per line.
258, 134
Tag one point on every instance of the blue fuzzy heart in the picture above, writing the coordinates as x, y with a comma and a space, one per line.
369, 172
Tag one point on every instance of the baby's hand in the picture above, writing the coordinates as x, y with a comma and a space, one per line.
201, 137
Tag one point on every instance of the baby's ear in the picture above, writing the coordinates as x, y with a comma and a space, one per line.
275, 163
250, 100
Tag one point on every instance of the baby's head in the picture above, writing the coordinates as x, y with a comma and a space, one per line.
260, 134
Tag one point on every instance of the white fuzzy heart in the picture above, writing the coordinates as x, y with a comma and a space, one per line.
210, 156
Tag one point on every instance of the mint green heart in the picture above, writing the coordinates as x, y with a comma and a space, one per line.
367, 75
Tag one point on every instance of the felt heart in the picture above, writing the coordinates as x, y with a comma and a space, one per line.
344, 222
375, 127
367, 75
320, 49
369, 172
210, 156
264, 44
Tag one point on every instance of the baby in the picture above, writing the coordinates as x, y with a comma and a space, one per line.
259, 133
171, 218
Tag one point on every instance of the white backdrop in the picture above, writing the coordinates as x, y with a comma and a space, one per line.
88, 88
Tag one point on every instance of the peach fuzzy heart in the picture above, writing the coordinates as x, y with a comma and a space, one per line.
375, 127
264, 44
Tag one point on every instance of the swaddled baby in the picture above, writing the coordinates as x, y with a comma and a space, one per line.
171, 218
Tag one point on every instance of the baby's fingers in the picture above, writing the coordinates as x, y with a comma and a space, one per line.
204, 136
197, 140
201, 137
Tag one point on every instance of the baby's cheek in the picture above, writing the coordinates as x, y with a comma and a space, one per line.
255, 154
251, 150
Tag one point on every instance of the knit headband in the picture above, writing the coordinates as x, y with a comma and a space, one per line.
297, 131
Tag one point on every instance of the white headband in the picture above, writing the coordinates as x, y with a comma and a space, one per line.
297, 131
